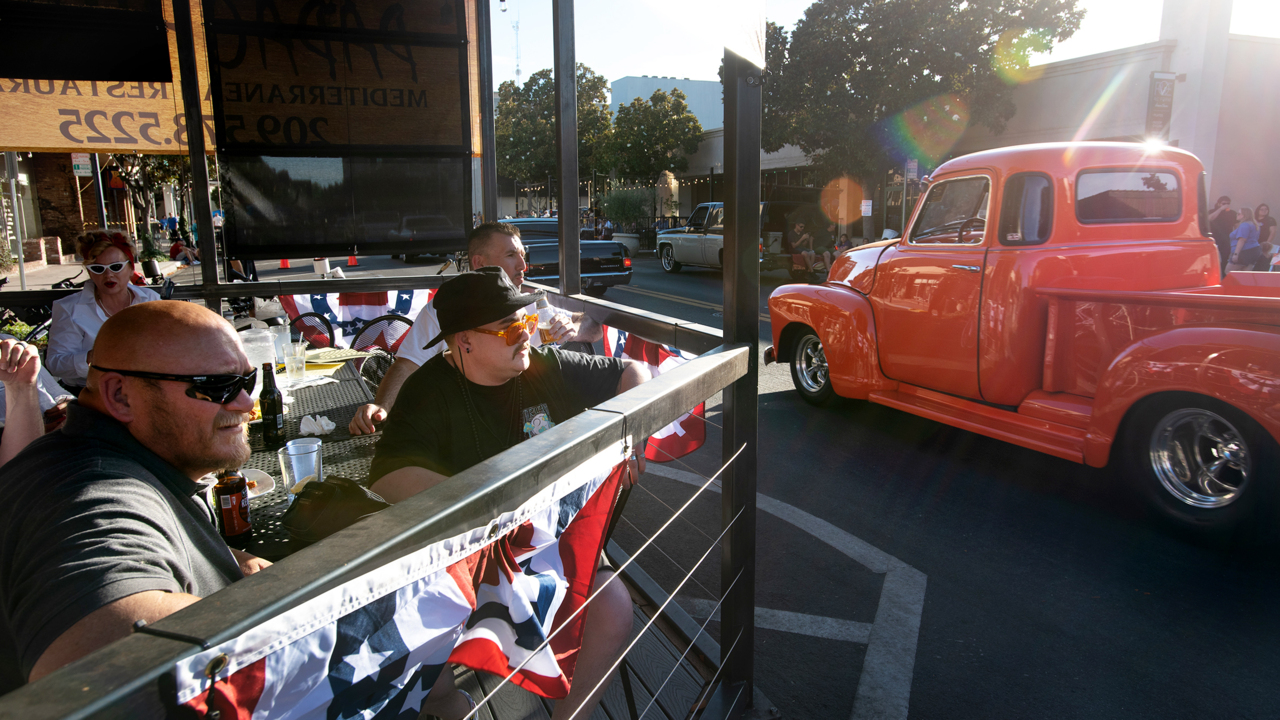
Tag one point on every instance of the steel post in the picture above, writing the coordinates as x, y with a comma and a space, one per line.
98, 185
11, 169
566, 76
202, 209
488, 143
742, 107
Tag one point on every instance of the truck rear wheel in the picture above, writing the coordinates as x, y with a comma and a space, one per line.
668, 257
1198, 463
809, 370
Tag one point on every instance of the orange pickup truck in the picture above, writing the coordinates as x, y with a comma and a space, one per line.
1065, 298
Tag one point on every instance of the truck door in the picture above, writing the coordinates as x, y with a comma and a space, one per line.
712, 240
688, 245
928, 290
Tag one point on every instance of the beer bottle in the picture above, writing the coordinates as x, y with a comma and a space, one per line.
272, 403
231, 503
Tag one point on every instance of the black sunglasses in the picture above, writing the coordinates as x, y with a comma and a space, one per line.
98, 269
220, 389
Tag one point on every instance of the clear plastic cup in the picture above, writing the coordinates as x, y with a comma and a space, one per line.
301, 461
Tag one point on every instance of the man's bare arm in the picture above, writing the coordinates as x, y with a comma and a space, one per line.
367, 416
588, 330
106, 625
405, 483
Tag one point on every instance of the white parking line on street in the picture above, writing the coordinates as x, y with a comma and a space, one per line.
798, 623
884, 688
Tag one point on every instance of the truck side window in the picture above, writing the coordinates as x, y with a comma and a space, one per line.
1128, 196
953, 206
698, 218
1026, 214
716, 221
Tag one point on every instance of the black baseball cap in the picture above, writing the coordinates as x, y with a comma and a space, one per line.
477, 298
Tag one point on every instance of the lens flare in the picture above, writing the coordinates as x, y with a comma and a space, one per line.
842, 200
928, 130
1012, 58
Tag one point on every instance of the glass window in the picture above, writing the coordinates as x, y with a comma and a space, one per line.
1026, 215
1124, 196
698, 218
717, 219
952, 207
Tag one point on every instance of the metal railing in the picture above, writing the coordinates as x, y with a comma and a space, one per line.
133, 677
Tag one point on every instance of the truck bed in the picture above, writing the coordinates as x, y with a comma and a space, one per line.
1086, 328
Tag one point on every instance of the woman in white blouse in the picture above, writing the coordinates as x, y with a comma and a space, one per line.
109, 257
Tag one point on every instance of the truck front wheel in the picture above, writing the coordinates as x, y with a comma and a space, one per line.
1198, 463
809, 370
668, 257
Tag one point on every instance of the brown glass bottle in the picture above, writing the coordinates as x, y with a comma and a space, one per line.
231, 505
271, 400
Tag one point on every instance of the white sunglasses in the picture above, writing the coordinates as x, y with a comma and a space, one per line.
113, 267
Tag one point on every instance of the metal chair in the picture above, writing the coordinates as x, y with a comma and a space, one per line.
375, 367
386, 333
314, 328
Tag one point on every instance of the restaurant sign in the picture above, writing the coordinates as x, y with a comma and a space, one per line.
101, 115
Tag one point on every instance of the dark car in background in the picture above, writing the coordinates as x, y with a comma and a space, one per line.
436, 234
604, 263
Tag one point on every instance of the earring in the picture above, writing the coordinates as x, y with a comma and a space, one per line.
468, 351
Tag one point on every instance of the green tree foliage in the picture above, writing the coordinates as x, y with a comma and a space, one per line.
653, 135
629, 205
144, 175
863, 84
525, 125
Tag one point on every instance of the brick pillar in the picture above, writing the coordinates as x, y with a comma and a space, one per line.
56, 190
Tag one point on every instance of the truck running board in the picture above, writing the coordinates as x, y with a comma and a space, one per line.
1040, 435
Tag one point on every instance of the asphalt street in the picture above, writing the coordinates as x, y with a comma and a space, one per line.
1048, 593
908, 568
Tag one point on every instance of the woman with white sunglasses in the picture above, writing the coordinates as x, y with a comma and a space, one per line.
109, 258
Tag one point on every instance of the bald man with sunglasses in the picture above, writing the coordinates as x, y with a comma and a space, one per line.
104, 523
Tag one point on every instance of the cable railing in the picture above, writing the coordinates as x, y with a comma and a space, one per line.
134, 677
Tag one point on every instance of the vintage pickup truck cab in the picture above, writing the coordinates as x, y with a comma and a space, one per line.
1065, 298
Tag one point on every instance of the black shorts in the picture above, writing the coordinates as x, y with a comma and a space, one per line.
1249, 256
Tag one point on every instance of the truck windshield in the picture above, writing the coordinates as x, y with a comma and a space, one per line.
952, 206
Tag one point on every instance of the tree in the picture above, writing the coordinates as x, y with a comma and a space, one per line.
525, 125
654, 135
143, 175
865, 84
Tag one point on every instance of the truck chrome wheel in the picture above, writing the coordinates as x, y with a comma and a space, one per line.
809, 370
1200, 458
667, 255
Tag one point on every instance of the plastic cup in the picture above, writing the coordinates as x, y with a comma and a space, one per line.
295, 368
300, 460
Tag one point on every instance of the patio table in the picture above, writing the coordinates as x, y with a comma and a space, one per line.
345, 455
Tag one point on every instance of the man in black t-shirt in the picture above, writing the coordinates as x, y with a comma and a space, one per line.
1221, 222
488, 392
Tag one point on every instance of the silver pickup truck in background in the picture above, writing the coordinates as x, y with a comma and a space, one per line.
701, 241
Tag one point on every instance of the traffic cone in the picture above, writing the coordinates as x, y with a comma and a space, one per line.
351, 261
284, 264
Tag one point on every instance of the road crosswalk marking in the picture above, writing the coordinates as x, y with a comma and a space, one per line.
884, 686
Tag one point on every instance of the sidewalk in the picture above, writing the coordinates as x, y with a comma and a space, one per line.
45, 277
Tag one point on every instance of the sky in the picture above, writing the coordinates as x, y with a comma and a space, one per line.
676, 38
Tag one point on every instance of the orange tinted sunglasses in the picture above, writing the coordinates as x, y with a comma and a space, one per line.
512, 334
